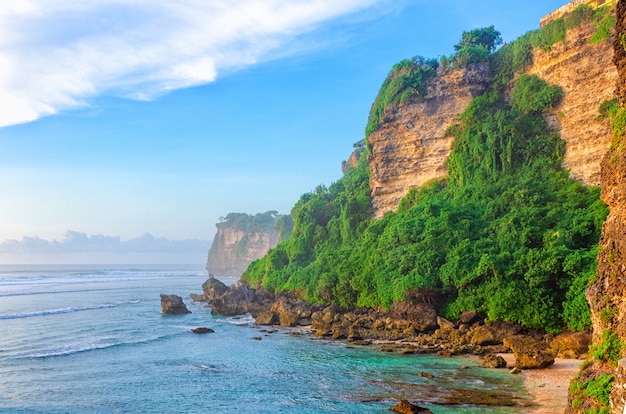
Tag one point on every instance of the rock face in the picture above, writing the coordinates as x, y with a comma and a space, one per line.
243, 238
607, 295
587, 75
173, 305
411, 147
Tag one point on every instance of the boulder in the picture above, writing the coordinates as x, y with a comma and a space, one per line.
571, 344
231, 301
173, 305
493, 361
530, 353
493, 333
444, 324
267, 317
406, 407
469, 317
202, 330
423, 316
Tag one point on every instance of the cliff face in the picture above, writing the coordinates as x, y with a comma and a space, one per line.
410, 147
241, 239
233, 250
587, 75
607, 295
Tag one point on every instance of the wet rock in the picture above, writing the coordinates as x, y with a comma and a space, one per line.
426, 375
494, 361
406, 407
257, 338
571, 344
202, 330
493, 333
197, 298
236, 300
530, 353
173, 305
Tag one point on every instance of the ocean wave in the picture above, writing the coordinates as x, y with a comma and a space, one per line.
67, 310
87, 347
246, 319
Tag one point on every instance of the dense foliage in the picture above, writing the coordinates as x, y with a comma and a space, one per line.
475, 46
507, 233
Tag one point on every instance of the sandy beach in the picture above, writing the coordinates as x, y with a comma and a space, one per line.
548, 387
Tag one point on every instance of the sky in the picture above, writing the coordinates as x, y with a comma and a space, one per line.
135, 120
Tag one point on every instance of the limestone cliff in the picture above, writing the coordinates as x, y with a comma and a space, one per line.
607, 294
587, 75
243, 238
410, 147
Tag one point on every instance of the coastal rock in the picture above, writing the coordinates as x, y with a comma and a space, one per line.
494, 361
231, 301
406, 407
445, 324
493, 333
469, 317
529, 352
571, 344
173, 305
202, 330
197, 298
423, 316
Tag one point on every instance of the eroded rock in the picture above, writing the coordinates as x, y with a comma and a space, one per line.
173, 305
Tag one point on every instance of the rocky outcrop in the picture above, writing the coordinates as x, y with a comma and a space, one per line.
231, 301
410, 147
173, 305
406, 407
530, 353
571, 344
241, 239
587, 75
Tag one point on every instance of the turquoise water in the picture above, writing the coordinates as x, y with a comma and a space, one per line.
80, 340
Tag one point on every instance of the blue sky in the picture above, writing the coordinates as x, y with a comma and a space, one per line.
126, 117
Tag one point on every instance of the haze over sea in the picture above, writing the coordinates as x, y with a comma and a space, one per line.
79, 339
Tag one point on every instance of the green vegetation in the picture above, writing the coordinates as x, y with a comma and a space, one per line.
597, 389
407, 80
507, 233
475, 46
609, 349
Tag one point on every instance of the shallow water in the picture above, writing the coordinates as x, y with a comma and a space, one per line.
79, 340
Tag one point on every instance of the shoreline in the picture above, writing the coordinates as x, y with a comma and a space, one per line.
548, 387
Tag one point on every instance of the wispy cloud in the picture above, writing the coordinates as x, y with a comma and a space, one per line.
56, 55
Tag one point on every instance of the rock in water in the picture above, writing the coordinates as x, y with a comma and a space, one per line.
202, 330
406, 407
173, 305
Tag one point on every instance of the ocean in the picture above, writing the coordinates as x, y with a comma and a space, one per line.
88, 339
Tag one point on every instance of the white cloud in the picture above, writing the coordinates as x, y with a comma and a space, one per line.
56, 55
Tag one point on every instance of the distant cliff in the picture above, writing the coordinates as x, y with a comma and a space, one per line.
242, 238
410, 147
